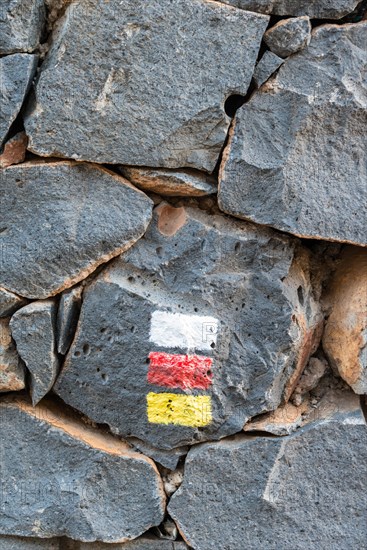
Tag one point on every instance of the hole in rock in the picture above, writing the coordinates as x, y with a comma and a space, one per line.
232, 103
300, 295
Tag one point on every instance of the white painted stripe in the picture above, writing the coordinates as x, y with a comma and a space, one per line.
176, 330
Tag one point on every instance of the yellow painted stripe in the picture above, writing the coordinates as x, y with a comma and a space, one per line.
180, 409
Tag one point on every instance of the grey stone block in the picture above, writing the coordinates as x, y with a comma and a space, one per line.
21, 25
301, 491
153, 92
10, 302
289, 36
296, 159
267, 65
317, 9
80, 217
195, 284
143, 543
61, 477
16, 74
12, 372
34, 330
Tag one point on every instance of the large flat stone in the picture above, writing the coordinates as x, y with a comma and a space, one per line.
196, 284
12, 372
296, 159
345, 335
34, 330
153, 92
16, 74
80, 217
63, 478
301, 491
21, 25
317, 9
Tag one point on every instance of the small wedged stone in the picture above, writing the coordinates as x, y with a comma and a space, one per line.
172, 183
289, 36
12, 373
82, 216
123, 98
26, 543
14, 150
296, 158
196, 285
345, 336
167, 458
34, 330
303, 491
10, 302
317, 9
16, 74
67, 317
21, 25
68, 479
268, 64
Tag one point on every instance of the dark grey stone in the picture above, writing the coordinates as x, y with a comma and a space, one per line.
60, 477
172, 183
289, 36
80, 217
168, 458
143, 543
18, 543
16, 74
12, 372
10, 302
21, 25
254, 281
67, 317
267, 65
34, 330
301, 491
297, 159
317, 9
153, 92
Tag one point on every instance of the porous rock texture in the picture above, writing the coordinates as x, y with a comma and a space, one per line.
69, 479
319, 9
296, 158
227, 276
268, 64
21, 25
33, 328
289, 36
345, 336
16, 74
118, 103
81, 216
284, 495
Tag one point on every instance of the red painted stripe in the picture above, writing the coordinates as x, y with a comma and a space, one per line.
180, 371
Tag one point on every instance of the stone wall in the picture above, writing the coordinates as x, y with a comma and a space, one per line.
183, 274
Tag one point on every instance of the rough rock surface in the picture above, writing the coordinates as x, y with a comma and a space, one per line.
67, 479
267, 65
14, 150
16, 74
81, 216
167, 458
21, 25
18, 543
300, 491
289, 36
317, 9
196, 284
34, 330
67, 317
12, 373
172, 183
119, 105
345, 336
10, 302
143, 543
297, 159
